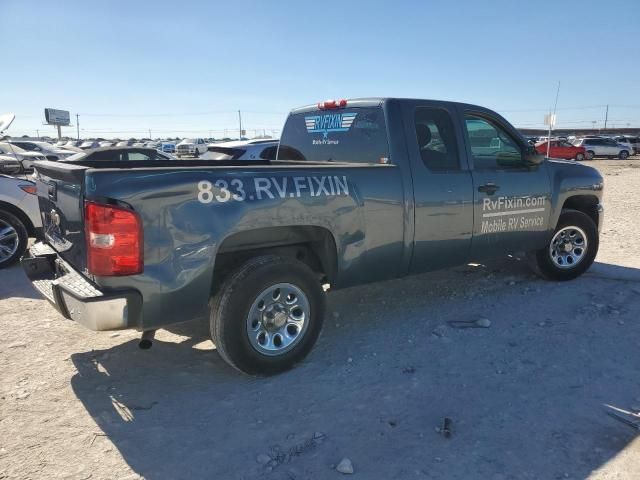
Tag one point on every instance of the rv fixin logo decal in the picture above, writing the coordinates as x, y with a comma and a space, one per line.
329, 123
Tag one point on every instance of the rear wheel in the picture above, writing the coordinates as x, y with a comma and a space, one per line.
580, 157
590, 154
13, 238
623, 155
267, 315
572, 248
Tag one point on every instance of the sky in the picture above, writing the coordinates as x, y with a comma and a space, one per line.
186, 68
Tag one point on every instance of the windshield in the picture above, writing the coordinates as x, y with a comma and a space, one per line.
188, 140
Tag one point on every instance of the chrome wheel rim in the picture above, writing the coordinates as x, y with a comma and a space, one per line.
9, 241
278, 319
568, 247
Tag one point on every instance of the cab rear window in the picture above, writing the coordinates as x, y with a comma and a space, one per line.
355, 135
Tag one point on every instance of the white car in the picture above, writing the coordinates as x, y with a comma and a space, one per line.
105, 143
19, 217
603, 147
42, 148
25, 158
244, 150
89, 144
631, 140
191, 147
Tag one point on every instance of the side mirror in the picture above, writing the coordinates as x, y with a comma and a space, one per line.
532, 157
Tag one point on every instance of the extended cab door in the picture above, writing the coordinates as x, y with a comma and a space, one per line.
442, 186
512, 199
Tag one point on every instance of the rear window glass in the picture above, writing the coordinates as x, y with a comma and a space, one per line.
356, 135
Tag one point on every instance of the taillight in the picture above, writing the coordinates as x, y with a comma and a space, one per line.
114, 240
29, 188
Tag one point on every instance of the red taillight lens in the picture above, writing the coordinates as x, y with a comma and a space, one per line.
114, 240
32, 189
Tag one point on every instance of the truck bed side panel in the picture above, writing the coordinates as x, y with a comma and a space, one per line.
187, 215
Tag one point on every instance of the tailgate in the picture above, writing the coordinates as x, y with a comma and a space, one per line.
60, 197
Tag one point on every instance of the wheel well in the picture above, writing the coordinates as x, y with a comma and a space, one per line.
585, 203
13, 210
315, 246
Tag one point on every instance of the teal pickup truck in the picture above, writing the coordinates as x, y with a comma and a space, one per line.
361, 191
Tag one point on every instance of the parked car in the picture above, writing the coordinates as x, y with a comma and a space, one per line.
561, 149
118, 154
168, 147
43, 148
243, 150
191, 147
88, 144
633, 142
19, 217
105, 143
602, 147
361, 191
73, 143
25, 158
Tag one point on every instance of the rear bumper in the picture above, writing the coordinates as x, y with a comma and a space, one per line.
75, 297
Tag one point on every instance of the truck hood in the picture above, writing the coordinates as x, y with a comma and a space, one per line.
585, 176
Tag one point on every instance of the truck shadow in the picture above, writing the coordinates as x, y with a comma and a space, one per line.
15, 284
525, 395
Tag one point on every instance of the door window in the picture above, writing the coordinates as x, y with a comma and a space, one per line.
436, 139
491, 146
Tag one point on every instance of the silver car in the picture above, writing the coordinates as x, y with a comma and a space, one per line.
19, 217
260, 149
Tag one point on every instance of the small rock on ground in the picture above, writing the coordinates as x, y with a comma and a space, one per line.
345, 466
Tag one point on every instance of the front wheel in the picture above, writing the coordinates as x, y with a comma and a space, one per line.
572, 249
13, 238
267, 315
580, 157
590, 154
623, 155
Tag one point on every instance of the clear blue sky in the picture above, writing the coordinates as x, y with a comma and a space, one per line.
124, 65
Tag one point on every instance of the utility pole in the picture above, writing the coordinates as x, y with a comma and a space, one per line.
606, 117
38, 133
240, 121
149, 134
77, 126
552, 119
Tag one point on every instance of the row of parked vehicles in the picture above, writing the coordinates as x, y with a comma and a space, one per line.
588, 147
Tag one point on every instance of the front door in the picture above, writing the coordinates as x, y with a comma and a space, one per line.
442, 187
512, 199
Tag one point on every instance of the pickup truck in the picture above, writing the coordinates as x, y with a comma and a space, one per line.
192, 147
361, 191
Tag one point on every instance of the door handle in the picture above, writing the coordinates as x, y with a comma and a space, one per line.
489, 188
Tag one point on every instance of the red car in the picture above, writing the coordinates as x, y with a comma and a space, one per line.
561, 149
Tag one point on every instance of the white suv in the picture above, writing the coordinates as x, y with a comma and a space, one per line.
603, 147
192, 147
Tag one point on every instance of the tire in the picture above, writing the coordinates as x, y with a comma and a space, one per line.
14, 239
239, 298
196, 154
572, 225
623, 155
590, 154
579, 157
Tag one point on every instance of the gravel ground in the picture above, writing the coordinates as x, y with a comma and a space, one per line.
524, 395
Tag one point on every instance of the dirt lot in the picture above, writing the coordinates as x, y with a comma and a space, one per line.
525, 395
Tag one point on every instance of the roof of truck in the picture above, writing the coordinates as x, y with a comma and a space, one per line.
378, 101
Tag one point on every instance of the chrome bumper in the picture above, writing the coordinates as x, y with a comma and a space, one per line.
75, 298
